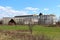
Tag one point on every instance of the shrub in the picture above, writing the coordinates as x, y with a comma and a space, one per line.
51, 26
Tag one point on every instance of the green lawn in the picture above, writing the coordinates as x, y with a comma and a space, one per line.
51, 31
34, 28
14, 27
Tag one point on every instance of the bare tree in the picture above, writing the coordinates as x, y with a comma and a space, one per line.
58, 22
30, 25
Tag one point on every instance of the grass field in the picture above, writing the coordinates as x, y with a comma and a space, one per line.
51, 31
14, 27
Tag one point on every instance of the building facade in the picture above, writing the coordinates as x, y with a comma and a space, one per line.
47, 19
33, 19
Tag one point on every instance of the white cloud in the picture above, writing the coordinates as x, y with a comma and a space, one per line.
32, 9
8, 11
46, 9
58, 5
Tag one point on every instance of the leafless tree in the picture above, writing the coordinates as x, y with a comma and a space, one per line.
30, 25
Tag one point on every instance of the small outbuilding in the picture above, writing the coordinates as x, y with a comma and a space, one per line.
11, 22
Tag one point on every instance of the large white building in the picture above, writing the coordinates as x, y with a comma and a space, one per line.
33, 19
